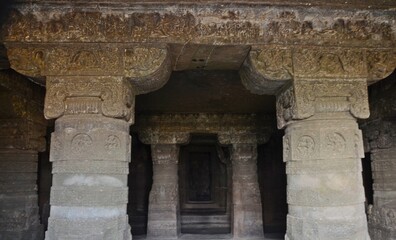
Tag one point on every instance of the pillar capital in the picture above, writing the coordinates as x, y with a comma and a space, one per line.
109, 96
21, 119
146, 67
268, 68
305, 98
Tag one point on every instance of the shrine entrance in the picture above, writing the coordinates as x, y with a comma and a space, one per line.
204, 187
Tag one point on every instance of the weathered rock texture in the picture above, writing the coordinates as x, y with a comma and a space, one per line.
380, 136
322, 148
23, 128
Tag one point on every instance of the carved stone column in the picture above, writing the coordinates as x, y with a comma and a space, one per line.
90, 152
322, 148
163, 216
22, 131
90, 91
247, 220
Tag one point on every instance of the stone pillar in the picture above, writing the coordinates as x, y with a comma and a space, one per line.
247, 220
322, 148
21, 138
90, 152
163, 211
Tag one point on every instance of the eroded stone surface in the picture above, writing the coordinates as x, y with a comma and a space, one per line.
21, 137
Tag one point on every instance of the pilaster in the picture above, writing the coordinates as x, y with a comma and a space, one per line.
164, 215
380, 140
322, 148
22, 133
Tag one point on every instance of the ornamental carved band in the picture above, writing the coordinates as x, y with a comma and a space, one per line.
148, 68
268, 68
109, 96
305, 98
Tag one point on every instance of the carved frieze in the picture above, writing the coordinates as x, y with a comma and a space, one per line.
147, 67
305, 98
110, 96
268, 68
231, 128
238, 24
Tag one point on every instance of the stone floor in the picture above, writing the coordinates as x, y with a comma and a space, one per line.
215, 237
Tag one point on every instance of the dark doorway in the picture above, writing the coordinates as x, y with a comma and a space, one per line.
204, 187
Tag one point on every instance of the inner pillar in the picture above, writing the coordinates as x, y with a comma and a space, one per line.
90, 152
247, 221
247, 210
163, 211
21, 138
322, 150
163, 214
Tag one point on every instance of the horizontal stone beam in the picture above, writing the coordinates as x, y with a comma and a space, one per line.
175, 128
210, 23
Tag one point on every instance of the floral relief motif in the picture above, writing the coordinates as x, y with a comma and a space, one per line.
81, 142
335, 142
306, 145
112, 143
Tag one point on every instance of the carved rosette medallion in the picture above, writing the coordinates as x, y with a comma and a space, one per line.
112, 143
80, 143
335, 142
306, 146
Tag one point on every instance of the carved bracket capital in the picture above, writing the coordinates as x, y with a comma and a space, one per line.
303, 99
147, 67
109, 96
268, 68
165, 153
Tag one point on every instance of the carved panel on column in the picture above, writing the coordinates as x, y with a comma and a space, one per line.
110, 96
305, 98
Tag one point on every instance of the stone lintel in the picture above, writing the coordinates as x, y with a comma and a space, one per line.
109, 96
305, 98
207, 23
22, 124
268, 68
147, 67
230, 128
